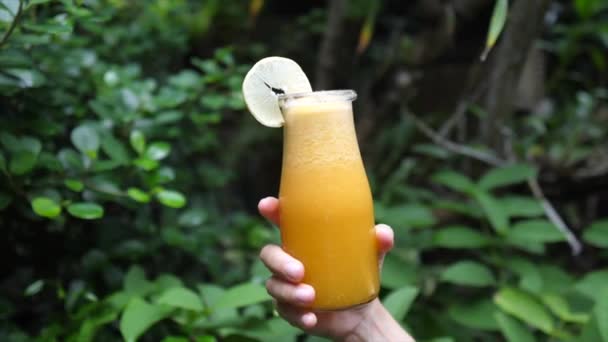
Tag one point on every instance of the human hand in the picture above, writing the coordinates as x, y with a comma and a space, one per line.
294, 297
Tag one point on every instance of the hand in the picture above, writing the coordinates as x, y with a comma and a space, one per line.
368, 322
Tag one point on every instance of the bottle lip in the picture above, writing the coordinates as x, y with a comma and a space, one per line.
321, 96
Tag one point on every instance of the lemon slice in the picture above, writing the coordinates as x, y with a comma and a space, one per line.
267, 79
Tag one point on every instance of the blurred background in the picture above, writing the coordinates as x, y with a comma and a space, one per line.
130, 169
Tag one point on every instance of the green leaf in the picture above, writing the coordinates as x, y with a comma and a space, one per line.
138, 195
454, 180
530, 277
456, 237
600, 310
136, 283
406, 216
493, 210
115, 149
34, 288
478, 315
158, 150
497, 23
181, 297
508, 175
139, 316
86, 210
2, 162
242, 295
593, 283
468, 273
559, 306
597, 234
138, 141
171, 198
521, 206
5, 200
86, 140
512, 330
397, 273
22, 162
541, 231
46, 207
398, 302
146, 163
74, 184
525, 307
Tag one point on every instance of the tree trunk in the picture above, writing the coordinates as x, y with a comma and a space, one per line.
505, 65
327, 53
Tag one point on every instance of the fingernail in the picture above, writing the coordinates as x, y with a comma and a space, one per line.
293, 270
309, 319
304, 294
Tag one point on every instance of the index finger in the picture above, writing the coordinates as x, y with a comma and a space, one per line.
269, 208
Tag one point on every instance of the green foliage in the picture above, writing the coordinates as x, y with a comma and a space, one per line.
129, 172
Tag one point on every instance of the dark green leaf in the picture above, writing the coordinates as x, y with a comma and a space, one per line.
138, 141
2, 162
597, 234
85, 139
22, 162
87, 211
460, 237
139, 316
5, 200
455, 181
114, 148
507, 175
171, 198
525, 307
46, 207
34, 288
513, 330
74, 184
493, 211
181, 297
138, 195
242, 295
398, 302
468, 273
478, 315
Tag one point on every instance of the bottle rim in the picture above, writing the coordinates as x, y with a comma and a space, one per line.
321, 96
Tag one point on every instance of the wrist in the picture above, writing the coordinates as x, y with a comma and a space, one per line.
377, 324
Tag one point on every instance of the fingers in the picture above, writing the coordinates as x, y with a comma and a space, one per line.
269, 208
301, 295
385, 239
298, 317
281, 264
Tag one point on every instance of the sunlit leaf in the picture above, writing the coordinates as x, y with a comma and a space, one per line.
497, 23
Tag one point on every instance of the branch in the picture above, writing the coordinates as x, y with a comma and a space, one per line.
326, 59
8, 33
456, 148
548, 208
554, 217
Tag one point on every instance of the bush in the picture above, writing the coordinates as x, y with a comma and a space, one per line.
130, 171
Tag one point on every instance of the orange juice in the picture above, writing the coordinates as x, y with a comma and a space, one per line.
327, 218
